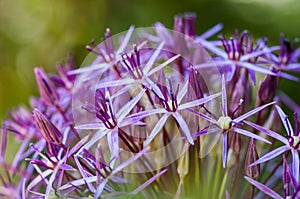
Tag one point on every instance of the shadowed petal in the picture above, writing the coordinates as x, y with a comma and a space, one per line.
100, 188
264, 188
130, 160
90, 126
88, 69
97, 136
113, 142
79, 182
212, 47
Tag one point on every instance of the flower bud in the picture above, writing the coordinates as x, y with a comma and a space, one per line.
46, 87
50, 133
252, 156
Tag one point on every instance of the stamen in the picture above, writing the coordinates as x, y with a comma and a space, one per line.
296, 131
237, 108
288, 126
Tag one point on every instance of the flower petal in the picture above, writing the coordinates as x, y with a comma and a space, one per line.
256, 68
211, 31
125, 40
198, 101
206, 131
224, 97
271, 155
295, 164
252, 112
118, 82
161, 122
182, 92
152, 59
264, 188
211, 120
183, 125
268, 132
251, 135
286, 123
161, 66
129, 106
145, 184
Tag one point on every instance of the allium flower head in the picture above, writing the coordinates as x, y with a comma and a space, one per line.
143, 116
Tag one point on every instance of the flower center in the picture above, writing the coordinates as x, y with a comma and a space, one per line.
51, 161
224, 122
294, 141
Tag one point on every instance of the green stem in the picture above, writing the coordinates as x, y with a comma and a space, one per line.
223, 186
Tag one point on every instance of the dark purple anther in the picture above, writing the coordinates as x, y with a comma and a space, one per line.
104, 109
167, 97
234, 47
132, 64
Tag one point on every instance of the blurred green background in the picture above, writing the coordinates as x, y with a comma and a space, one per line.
41, 33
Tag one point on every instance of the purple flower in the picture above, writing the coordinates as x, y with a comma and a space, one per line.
236, 55
110, 121
288, 56
289, 182
291, 141
171, 102
226, 124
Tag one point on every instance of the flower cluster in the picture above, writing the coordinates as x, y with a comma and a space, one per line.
159, 113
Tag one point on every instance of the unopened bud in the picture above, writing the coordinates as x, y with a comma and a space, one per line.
51, 134
252, 156
46, 87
